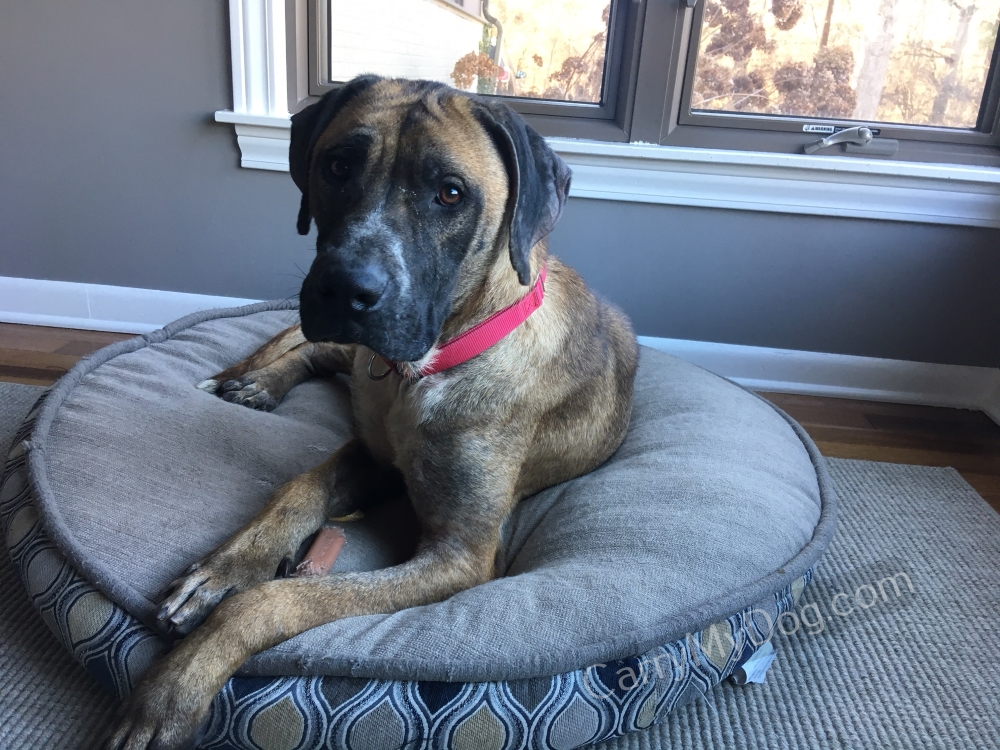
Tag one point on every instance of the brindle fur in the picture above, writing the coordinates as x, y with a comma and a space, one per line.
550, 402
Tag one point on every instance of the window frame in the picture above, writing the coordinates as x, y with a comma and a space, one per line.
679, 126
647, 94
308, 32
270, 80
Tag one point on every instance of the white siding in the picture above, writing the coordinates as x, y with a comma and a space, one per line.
404, 38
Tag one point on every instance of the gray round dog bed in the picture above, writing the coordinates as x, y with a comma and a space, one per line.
625, 593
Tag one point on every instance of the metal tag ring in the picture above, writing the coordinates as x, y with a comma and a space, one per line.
372, 375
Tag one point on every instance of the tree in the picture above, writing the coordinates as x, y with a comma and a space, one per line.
737, 71
548, 61
950, 82
875, 64
581, 76
825, 39
821, 90
478, 68
938, 79
731, 33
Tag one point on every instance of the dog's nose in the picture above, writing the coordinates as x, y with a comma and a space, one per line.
361, 289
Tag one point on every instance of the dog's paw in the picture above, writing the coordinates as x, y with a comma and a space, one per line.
246, 391
192, 597
235, 567
168, 711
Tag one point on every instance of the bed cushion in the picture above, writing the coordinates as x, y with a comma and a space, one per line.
687, 545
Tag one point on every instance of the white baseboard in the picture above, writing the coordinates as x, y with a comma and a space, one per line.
97, 307
843, 375
991, 399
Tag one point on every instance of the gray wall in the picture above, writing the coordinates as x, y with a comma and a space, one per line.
112, 172
111, 168
880, 289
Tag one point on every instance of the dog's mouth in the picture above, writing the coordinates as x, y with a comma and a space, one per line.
388, 332
350, 297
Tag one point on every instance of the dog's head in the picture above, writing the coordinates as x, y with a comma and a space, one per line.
415, 189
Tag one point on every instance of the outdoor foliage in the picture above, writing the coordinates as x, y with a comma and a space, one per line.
552, 49
920, 62
473, 67
910, 61
739, 70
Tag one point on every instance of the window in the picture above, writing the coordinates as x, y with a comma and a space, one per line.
553, 50
915, 72
912, 63
761, 75
560, 62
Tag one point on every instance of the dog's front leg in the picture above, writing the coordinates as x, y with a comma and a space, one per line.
263, 379
173, 700
348, 480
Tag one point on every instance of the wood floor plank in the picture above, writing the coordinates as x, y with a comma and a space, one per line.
49, 339
36, 359
821, 414
984, 430
40, 355
80, 348
965, 445
905, 455
12, 377
794, 402
987, 485
964, 439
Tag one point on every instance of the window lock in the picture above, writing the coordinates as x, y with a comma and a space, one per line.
857, 140
860, 136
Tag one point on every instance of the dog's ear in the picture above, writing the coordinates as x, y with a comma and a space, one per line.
307, 126
538, 179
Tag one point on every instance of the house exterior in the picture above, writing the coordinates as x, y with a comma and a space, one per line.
404, 38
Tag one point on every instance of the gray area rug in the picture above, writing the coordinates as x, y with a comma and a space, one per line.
893, 645
920, 669
47, 699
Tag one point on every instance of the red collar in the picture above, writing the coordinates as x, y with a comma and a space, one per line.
480, 337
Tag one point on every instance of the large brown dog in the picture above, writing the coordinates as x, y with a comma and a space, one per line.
431, 207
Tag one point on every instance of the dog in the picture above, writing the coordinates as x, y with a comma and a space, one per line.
431, 207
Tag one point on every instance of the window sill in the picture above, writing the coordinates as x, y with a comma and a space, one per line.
263, 139
748, 181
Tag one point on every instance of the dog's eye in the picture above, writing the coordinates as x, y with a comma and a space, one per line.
449, 195
339, 169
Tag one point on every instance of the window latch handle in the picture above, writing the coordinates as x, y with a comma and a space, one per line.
859, 136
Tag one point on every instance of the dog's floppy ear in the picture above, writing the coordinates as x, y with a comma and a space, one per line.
538, 178
307, 126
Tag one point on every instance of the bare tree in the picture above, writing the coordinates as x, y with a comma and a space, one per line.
950, 83
875, 64
733, 33
581, 76
825, 39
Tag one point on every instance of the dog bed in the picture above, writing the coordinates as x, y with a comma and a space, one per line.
626, 592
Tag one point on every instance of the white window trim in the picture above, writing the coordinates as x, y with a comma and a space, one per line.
644, 173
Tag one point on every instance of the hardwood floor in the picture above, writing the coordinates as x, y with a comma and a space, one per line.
842, 428
964, 439
34, 355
